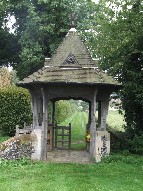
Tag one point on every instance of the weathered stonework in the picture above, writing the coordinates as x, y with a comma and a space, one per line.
37, 144
102, 145
17, 147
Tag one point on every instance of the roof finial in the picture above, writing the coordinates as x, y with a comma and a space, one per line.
73, 19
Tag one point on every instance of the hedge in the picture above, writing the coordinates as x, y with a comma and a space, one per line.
15, 108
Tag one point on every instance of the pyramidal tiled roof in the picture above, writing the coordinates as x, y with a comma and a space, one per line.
71, 63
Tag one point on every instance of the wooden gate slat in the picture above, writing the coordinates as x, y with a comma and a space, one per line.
62, 135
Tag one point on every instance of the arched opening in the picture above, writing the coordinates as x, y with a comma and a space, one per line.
68, 121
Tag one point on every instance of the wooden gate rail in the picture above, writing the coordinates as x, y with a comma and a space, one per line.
27, 129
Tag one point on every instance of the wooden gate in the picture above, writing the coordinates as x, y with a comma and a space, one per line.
63, 137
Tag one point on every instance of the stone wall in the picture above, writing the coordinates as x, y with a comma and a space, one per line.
17, 147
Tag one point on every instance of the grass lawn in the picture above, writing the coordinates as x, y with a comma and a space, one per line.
78, 129
79, 121
117, 173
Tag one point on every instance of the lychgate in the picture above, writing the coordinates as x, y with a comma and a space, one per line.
71, 73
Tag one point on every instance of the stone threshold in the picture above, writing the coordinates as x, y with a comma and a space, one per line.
69, 156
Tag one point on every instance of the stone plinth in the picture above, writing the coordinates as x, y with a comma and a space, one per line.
37, 144
102, 145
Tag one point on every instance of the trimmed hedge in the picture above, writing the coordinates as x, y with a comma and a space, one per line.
15, 108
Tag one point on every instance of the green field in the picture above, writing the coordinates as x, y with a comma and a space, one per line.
78, 129
79, 120
118, 173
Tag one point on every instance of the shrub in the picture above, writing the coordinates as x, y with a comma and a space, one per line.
136, 144
118, 140
15, 109
121, 141
123, 157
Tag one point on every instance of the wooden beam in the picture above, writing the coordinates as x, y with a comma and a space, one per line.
53, 121
99, 114
45, 123
40, 111
93, 125
89, 115
34, 108
104, 113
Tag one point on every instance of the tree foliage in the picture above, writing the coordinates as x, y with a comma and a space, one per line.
64, 110
117, 43
40, 26
9, 48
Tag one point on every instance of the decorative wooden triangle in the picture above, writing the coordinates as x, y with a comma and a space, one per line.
70, 61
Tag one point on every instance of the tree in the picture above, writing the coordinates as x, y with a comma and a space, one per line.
14, 77
40, 27
9, 48
64, 110
118, 45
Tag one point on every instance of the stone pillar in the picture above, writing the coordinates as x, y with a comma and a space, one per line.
93, 126
37, 137
102, 145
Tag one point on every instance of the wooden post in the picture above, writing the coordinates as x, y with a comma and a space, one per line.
45, 124
34, 109
99, 114
69, 135
104, 112
56, 132
40, 111
89, 116
53, 121
63, 138
93, 126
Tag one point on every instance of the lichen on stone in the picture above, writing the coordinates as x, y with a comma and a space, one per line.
17, 147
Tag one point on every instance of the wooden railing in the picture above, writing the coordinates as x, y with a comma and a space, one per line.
27, 129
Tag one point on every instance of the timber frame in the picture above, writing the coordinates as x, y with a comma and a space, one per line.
70, 73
